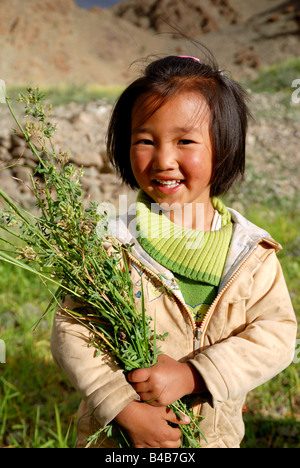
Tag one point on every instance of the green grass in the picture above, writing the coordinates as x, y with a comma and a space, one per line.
276, 78
80, 94
37, 405
273, 414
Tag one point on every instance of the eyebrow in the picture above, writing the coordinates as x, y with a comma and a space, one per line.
182, 130
140, 130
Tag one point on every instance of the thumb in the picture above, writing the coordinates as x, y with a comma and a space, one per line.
178, 418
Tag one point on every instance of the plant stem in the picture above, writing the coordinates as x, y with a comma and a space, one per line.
26, 136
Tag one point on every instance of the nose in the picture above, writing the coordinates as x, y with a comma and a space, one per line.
164, 158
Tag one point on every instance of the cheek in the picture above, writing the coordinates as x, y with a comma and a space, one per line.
138, 163
140, 160
199, 166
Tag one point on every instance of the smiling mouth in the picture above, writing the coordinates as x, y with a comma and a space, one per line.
168, 183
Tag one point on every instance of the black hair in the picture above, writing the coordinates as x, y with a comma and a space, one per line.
229, 113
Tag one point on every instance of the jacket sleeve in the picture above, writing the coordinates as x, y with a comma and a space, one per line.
233, 367
99, 381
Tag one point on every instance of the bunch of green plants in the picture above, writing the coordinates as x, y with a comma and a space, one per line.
64, 245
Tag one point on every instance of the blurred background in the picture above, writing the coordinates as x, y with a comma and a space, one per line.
81, 54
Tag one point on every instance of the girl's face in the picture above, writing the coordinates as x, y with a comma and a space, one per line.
171, 156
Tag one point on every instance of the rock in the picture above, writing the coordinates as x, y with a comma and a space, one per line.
247, 57
191, 16
81, 130
9, 185
23, 174
272, 153
275, 17
17, 140
4, 155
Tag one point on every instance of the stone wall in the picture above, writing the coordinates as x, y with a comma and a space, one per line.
81, 129
273, 158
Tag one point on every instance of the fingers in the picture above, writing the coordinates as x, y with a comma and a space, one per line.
175, 419
172, 443
155, 427
138, 375
143, 388
173, 433
172, 437
148, 390
147, 394
141, 383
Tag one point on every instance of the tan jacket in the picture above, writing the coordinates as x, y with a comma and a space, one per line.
247, 337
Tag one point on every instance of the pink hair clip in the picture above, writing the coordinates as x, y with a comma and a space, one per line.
189, 56
196, 60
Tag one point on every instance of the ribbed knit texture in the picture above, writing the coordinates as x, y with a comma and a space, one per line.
196, 258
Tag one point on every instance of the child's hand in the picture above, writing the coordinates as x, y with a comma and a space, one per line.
148, 427
166, 382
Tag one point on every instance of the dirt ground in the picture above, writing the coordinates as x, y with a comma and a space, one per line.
55, 41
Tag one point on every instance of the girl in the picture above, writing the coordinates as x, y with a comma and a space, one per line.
210, 277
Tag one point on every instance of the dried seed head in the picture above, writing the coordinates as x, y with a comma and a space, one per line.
27, 253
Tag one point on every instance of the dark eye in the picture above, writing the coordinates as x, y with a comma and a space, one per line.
186, 142
144, 142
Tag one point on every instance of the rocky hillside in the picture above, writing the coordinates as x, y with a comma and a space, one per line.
81, 131
272, 148
193, 17
55, 41
243, 35
196, 17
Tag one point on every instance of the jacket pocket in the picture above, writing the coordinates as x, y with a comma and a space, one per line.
228, 320
235, 320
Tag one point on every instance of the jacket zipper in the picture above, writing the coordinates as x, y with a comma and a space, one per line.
156, 276
198, 330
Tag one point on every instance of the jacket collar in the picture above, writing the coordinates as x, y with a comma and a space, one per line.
245, 238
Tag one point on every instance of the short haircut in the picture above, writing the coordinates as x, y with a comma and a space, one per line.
229, 113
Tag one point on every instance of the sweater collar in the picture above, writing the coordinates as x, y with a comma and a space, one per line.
245, 237
198, 255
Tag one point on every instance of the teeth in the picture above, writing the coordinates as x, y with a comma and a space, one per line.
169, 183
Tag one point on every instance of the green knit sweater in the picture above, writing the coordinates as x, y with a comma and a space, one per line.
196, 258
